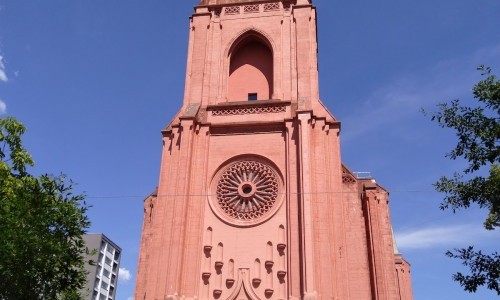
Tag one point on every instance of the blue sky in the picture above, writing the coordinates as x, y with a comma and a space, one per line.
96, 81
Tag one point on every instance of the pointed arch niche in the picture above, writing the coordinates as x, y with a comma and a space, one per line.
251, 68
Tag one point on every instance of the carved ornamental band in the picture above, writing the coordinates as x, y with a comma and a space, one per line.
249, 110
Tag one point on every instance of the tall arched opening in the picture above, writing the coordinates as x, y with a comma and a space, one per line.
250, 69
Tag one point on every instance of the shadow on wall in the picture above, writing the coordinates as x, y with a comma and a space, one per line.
251, 70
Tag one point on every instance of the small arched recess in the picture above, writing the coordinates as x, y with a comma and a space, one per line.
251, 68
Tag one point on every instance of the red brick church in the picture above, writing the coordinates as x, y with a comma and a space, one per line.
253, 200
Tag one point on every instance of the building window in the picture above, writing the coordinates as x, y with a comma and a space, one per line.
108, 261
252, 96
117, 255
106, 273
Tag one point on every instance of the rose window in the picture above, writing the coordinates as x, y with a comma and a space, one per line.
247, 190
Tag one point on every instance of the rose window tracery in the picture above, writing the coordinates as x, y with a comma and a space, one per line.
247, 190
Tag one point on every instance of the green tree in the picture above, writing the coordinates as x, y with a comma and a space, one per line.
478, 132
41, 227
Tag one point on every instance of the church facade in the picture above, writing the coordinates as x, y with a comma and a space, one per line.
253, 200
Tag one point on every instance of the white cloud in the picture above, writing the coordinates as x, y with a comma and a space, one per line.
441, 236
3, 75
124, 274
3, 107
391, 106
130, 298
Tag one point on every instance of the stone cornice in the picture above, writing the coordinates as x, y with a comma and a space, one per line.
234, 2
239, 104
224, 2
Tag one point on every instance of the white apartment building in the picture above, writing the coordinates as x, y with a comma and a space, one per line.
102, 277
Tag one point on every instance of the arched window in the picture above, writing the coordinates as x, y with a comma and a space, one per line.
250, 70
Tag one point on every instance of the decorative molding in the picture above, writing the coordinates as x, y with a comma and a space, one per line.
253, 8
247, 8
269, 264
347, 177
217, 293
243, 288
268, 182
247, 190
268, 293
249, 110
250, 31
271, 6
232, 10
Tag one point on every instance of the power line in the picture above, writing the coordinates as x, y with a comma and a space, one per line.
213, 195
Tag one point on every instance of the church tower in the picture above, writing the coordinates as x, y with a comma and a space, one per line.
253, 200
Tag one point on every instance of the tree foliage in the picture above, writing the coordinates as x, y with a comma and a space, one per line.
41, 227
484, 269
478, 132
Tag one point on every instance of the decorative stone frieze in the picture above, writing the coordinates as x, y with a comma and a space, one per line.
251, 8
271, 6
232, 10
347, 178
249, 110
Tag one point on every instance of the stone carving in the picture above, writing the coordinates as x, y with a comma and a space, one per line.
251, 8
249, 110
271, 6
247, 190
347, 178
232, 10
